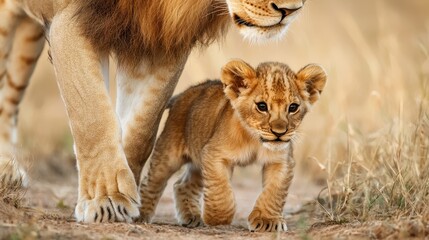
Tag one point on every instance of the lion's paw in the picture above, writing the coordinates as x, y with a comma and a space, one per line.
115, 208
258, 223
11, 174
121, 204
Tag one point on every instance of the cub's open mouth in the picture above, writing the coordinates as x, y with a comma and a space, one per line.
238, 20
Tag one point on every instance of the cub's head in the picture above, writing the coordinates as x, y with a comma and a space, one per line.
263, 19
272, 100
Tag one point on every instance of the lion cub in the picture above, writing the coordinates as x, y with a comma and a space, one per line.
251, 116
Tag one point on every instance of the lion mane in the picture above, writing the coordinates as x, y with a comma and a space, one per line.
160, 30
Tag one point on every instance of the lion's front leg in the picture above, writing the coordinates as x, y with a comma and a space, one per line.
266, 215
107, 190
142, 95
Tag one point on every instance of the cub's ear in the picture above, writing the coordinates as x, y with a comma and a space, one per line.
311, 80
237, 76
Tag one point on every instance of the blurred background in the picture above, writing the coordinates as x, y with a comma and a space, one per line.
376, 54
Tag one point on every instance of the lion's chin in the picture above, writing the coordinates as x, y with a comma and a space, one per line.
261, 35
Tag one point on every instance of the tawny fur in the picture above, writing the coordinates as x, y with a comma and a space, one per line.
215, 126
14, 76
150, 40
163, 30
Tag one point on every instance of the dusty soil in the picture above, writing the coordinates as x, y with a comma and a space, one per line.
46, 212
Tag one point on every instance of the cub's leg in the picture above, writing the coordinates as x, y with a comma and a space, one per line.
141, 99
21, 42
167, 158
219, 202
107, 189
267, 212
187, 196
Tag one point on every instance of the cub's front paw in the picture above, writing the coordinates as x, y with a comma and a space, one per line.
190, 221
258, 223
108, 198
146, 214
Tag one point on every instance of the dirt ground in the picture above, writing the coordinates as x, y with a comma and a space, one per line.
46, 212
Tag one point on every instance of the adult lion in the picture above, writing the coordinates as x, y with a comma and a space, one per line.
151, 40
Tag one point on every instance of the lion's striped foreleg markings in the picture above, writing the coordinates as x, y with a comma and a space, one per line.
19, 69
9, 97
8, 23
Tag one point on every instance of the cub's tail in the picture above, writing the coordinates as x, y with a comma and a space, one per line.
172, 101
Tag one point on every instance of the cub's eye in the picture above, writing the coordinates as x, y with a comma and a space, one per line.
262, 106
293, 107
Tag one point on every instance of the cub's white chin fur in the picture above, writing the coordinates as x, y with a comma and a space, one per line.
276, 146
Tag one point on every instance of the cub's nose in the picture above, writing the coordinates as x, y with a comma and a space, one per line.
278, 134
278, 127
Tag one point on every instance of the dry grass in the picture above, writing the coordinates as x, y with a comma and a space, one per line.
384, 176
377, 154
11, 196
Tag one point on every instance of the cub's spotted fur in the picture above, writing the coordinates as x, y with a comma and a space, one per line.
249, 117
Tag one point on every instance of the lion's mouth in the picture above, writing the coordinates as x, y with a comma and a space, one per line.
239, 21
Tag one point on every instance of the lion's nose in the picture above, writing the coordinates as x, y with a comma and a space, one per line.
285, 11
